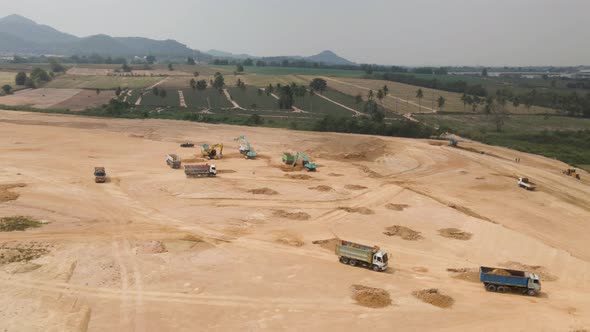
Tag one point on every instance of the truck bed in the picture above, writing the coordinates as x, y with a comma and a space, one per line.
354, 250
515, 278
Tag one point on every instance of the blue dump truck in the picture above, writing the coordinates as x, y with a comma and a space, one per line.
504, 280
355, 254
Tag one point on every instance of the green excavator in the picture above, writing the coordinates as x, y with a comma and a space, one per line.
309, 166
245, 148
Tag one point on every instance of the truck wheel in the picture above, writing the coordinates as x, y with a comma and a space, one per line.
491, 288
376, 268
531, 292
343, 260
501, 289
352, 262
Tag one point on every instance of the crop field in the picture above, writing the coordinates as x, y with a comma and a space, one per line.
248, 97
171, 99
316, 104
39, 98
101, 82
85, 99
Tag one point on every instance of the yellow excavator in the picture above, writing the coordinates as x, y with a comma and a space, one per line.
572, 172
212, 151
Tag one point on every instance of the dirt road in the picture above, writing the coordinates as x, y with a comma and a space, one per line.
151, 250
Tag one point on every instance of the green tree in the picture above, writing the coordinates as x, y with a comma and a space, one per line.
239, 68
385, 90
170, 67
201, 85
218, 81
358, 99
193, 84
20, 78
97, 92
286, 99
155, 91
248, 62
419, 95
475, 101
125, 68
516, 103
118, 91
484, 72
150, 59
39, 75
464, 99
196, 74
270, 89
163, 93
56, 67
380, 95
7, 89
370, 95
374, 111
29, 83
190, 61
318, 84
441, 102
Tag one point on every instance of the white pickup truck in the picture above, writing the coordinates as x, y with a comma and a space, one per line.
526, 184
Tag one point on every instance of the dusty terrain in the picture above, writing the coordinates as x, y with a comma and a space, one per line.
151, 250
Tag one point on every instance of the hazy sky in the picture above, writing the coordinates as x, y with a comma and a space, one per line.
409, 32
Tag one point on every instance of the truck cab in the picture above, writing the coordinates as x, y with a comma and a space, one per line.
212, 170
534, 282
380, 259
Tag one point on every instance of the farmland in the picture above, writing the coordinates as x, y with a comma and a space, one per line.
101, 82
249, 96
268, 70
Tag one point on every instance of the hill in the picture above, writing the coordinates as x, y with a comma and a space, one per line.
329, 57
326, 57
22, 35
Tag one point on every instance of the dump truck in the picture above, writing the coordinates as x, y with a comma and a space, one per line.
173, 160
504, 280
100, 175
526, 184
195, 171
355, 254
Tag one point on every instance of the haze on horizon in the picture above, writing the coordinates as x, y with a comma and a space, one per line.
420, 32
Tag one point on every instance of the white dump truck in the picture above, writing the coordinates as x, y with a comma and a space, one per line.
194, 171
173, 160
526, 184
355, 254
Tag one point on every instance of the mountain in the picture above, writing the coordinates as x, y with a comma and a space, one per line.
325, 57
329, 57
22, 35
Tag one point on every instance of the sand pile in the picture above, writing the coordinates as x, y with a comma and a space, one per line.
291, 215
152, 247
368, 171
263, 191
299, 176
396, 207
322, 188
434, 297
335, 174
370, 297
500, 272
290, 168
454, 233
543, 273
329, 244
354, 187
403, 232
361, 210
193, 160
289, 239
7, 195
467, 274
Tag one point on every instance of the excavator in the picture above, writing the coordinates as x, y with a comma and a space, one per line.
572, 172
212, 151
310, 167
245, 147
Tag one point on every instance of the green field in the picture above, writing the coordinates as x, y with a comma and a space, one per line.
101, 82
171, 99
248, 97
316, 104
294, 71
7, 78
209, 98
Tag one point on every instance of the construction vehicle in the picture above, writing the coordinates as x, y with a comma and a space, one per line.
173, 160
526, 184
100, 175
197, 171
288, 158
212, 151
572, 172
355, 254
453, 142
245, 148
187, 145
504, 280
310, 167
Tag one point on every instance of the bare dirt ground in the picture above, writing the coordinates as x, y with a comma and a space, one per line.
151, 250
39, 98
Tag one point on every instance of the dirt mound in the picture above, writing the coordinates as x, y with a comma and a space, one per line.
434, 297
370, 297
354, 187
290, 168
500, 272
335, 174
361, 210
467, 274
299, 176
193, 160
543, 273
291, 215
368, 171
18, 223
289, 239
454, 233
396, 207
403, 232
322, 188
152, 247
420, 269
22, 251
263, 191
6, 194
329, 244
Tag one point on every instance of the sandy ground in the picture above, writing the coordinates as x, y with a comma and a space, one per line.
39, 98
154, 251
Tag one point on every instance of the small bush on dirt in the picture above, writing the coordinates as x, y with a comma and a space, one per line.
18, 223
